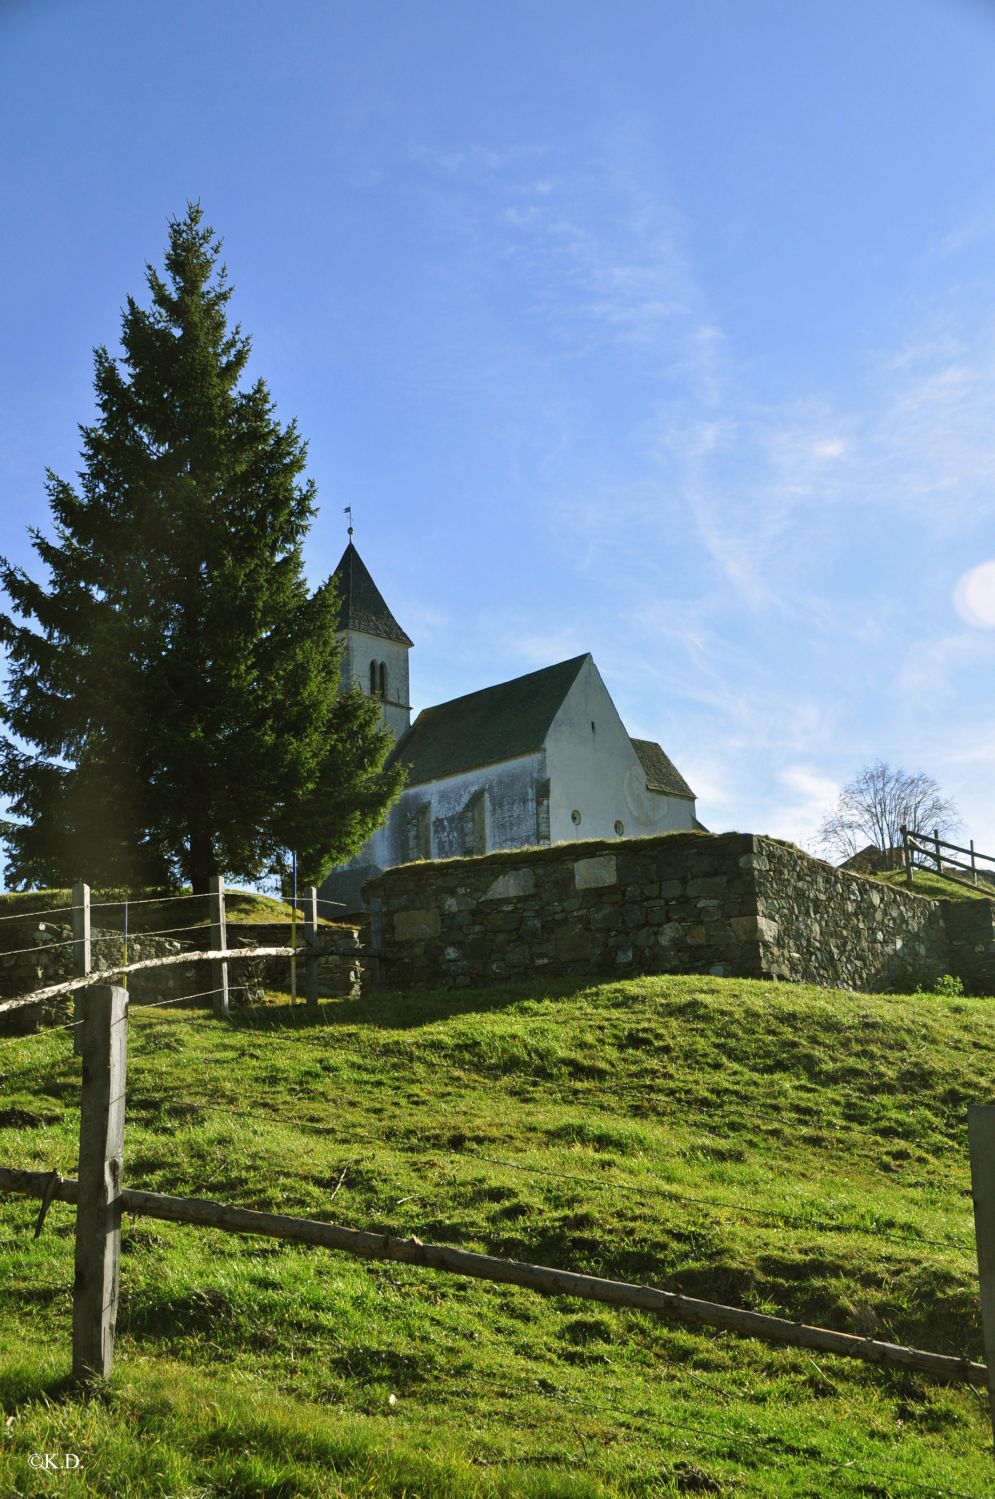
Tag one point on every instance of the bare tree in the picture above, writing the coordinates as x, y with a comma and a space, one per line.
877, 804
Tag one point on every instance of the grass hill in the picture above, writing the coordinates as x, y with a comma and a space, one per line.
937, 886
789, 1149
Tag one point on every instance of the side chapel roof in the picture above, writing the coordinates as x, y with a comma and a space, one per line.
661, 772
361, 604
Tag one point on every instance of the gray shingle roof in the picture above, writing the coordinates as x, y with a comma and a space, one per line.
361, 604
661, 772
484, 728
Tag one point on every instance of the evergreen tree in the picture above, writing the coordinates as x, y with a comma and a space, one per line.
174, 703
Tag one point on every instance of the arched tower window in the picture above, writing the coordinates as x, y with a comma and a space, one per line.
383, 680
373, 679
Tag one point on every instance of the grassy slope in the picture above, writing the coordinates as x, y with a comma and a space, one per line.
627, 1129
938, 887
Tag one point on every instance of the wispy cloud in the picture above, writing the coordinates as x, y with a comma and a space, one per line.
932, 668
593, 255
807, 795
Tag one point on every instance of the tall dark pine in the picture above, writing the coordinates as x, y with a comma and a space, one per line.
173, 703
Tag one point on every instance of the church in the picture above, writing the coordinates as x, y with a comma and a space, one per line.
540, 759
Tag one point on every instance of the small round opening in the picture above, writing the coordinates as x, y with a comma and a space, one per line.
619, 826
575, 818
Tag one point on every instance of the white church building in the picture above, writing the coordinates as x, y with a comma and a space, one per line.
540, 759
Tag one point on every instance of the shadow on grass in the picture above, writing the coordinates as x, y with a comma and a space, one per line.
407, 1010
22, 1384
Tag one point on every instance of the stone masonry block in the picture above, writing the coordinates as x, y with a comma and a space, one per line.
595, 873
411, 925
508, 886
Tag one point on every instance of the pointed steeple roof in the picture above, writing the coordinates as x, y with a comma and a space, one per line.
361, 604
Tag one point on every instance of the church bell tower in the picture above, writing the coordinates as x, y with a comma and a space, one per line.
376, 649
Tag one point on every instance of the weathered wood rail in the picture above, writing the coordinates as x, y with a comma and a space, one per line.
211, 954
218, 954
930, 845
101, 1198
552, 1281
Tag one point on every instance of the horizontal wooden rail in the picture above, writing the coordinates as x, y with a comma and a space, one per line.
921, 843
927, 838
104, 975
920, 846
511, 1272
958, 847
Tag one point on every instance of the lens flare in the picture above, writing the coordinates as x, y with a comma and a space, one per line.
974, 596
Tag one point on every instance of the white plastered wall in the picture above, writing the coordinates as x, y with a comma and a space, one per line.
509, 789
597, 773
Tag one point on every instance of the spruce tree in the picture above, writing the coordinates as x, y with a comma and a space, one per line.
173, 702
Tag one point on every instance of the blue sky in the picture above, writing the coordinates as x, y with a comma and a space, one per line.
658, 330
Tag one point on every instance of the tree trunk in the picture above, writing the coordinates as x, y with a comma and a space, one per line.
201, 860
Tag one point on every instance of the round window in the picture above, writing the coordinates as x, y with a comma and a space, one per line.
575, 818
619, 826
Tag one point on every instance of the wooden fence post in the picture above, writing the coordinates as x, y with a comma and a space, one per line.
219, 943
974, 867
81, 955
936, 845
981, 1141
98, 1210
311, 940
906, 850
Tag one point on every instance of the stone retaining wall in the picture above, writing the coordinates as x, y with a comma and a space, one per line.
733, 904
51, 962
821, 925
970, 928
340, 971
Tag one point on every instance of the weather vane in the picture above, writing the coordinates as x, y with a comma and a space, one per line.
348, 511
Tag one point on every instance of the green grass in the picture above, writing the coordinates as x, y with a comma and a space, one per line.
936, 886
778, 1147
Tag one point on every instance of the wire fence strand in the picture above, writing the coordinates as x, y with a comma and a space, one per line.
177, 1000
608, 1182
145, 900
16, 952
31, 915
137, 933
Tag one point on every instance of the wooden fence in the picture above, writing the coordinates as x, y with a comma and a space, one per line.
218, 954
101, 1026
922, 846
101, 1198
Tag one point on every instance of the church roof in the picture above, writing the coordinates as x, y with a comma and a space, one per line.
503, 722
486, 727
661, 772
361, 604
